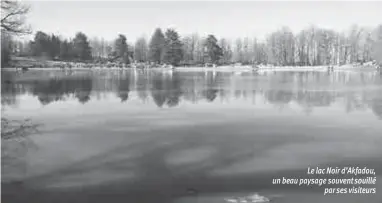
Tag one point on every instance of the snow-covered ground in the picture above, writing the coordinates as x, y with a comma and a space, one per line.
219, 68
264, 68
317, 68
293, 68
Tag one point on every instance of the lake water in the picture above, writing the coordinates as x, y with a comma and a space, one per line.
161, 136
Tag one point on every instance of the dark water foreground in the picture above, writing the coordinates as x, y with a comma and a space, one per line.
125, 136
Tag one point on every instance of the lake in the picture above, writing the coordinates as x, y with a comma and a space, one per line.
182, 136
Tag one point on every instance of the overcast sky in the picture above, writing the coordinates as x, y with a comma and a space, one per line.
224, 19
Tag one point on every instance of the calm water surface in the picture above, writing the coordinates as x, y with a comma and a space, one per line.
154, 136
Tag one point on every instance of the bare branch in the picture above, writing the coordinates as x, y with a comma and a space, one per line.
13, 15
21, 11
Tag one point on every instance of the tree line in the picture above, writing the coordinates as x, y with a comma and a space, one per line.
163, 48
309, 47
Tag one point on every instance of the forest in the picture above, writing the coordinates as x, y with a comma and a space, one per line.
311, 46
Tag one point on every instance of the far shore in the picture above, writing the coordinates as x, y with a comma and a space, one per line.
25, 64
218, 68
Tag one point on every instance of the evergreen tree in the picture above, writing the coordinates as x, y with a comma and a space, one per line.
41, 45
173, 48
121, 49
54, 46
81, 48
66, 50
120, 45
156, 47
213, 51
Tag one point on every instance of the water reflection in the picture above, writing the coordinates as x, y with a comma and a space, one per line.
310, 90
376, 105
59, 88
166, 89
123, 89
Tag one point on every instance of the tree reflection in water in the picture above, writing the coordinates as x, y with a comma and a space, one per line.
123, 88
60, 88
354, 91
376, 107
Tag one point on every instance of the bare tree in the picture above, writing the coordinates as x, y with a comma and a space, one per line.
377, 48
95, 43
245, 49
13, 17
354, 38
141, 50
301, 44
199, 48
227, 51
287, 41
188, 49
239, 55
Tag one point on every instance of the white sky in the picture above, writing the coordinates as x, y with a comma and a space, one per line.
224, 19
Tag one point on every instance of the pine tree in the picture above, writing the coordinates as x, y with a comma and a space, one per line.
213, 51
64, 50
156, 47
173, 48
41, 45
81, 48
54, 46
121, 49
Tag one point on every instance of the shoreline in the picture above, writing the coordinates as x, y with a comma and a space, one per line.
25, 64
219, 69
